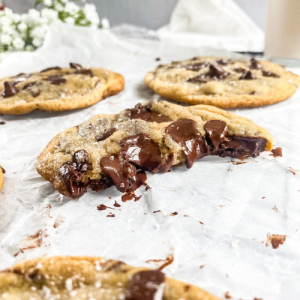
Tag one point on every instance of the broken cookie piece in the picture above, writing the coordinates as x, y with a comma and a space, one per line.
119, 149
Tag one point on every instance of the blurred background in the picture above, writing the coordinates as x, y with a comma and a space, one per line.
151, 14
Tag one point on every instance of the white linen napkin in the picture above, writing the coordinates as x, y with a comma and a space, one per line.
212, 23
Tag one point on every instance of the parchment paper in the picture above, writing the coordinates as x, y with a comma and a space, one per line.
225, 210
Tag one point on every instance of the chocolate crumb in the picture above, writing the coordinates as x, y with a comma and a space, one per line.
276, 152
275, 208
3, 171
275, 239
227, 295
103, 207
157, 59
201, 266
110, 216
2, 123
201, 223
156, 211
175, 213
117, 204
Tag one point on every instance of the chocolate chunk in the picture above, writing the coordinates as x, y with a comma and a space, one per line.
75, 66
100, 184
241, 147
276, 152
56, 79
72, 180
145, 113
216, 131
146, 285
216, 71
81, 159
124, 175
223, 62
9, 90
185, 133
51, 69
32, 86
2, 123
3, 171
239, 70
142, 151
269, 74
197, 79
254, 64
106, 134
197, 66
85, 72
20, 78
248, 75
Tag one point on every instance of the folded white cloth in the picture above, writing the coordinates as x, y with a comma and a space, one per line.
213, 23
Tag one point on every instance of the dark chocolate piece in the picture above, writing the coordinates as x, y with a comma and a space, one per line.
32, 87
56, 79
51, 69
185, 133
223, 62
3, 171
216, 131
269, 74
110, 216
106, 134
81, 160
2, 123
157, 59
197, 66
145, 113
216, 71
239, 70
100, 184
9, 90
242, 147
72, 180
86, 72
254, 64
116, 204
276, 152
101, 207
75, 66
142, 151
124, 175
197, 79
146, 285
248, 75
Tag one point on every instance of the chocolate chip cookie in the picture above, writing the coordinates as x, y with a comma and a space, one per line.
57, 89
78, 278
1, 177
117, 149
224, 83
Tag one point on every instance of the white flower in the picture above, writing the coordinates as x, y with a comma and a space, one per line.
48, 2
22, 27
5, 39
37, 42
105, 23
71, 8
5, 21
34, 13
64, 1
91, 14
8, 30
58, 7
39, 32
18, 43
70, 20
8, 11
16, 18
49, 14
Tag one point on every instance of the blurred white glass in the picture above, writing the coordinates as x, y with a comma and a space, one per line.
282, 40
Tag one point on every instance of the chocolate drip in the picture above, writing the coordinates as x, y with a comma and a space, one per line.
142, 151
254, 64
185, 133
56, 79
269, 74
75, 66
85, 72
9, 90
106, 134
216, 131
145, 113
51, 69
145, 285
124, 175
196, 66
166, 165
72, 180
81, 160
248, 75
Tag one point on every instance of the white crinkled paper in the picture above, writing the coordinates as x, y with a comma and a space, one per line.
235, 203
